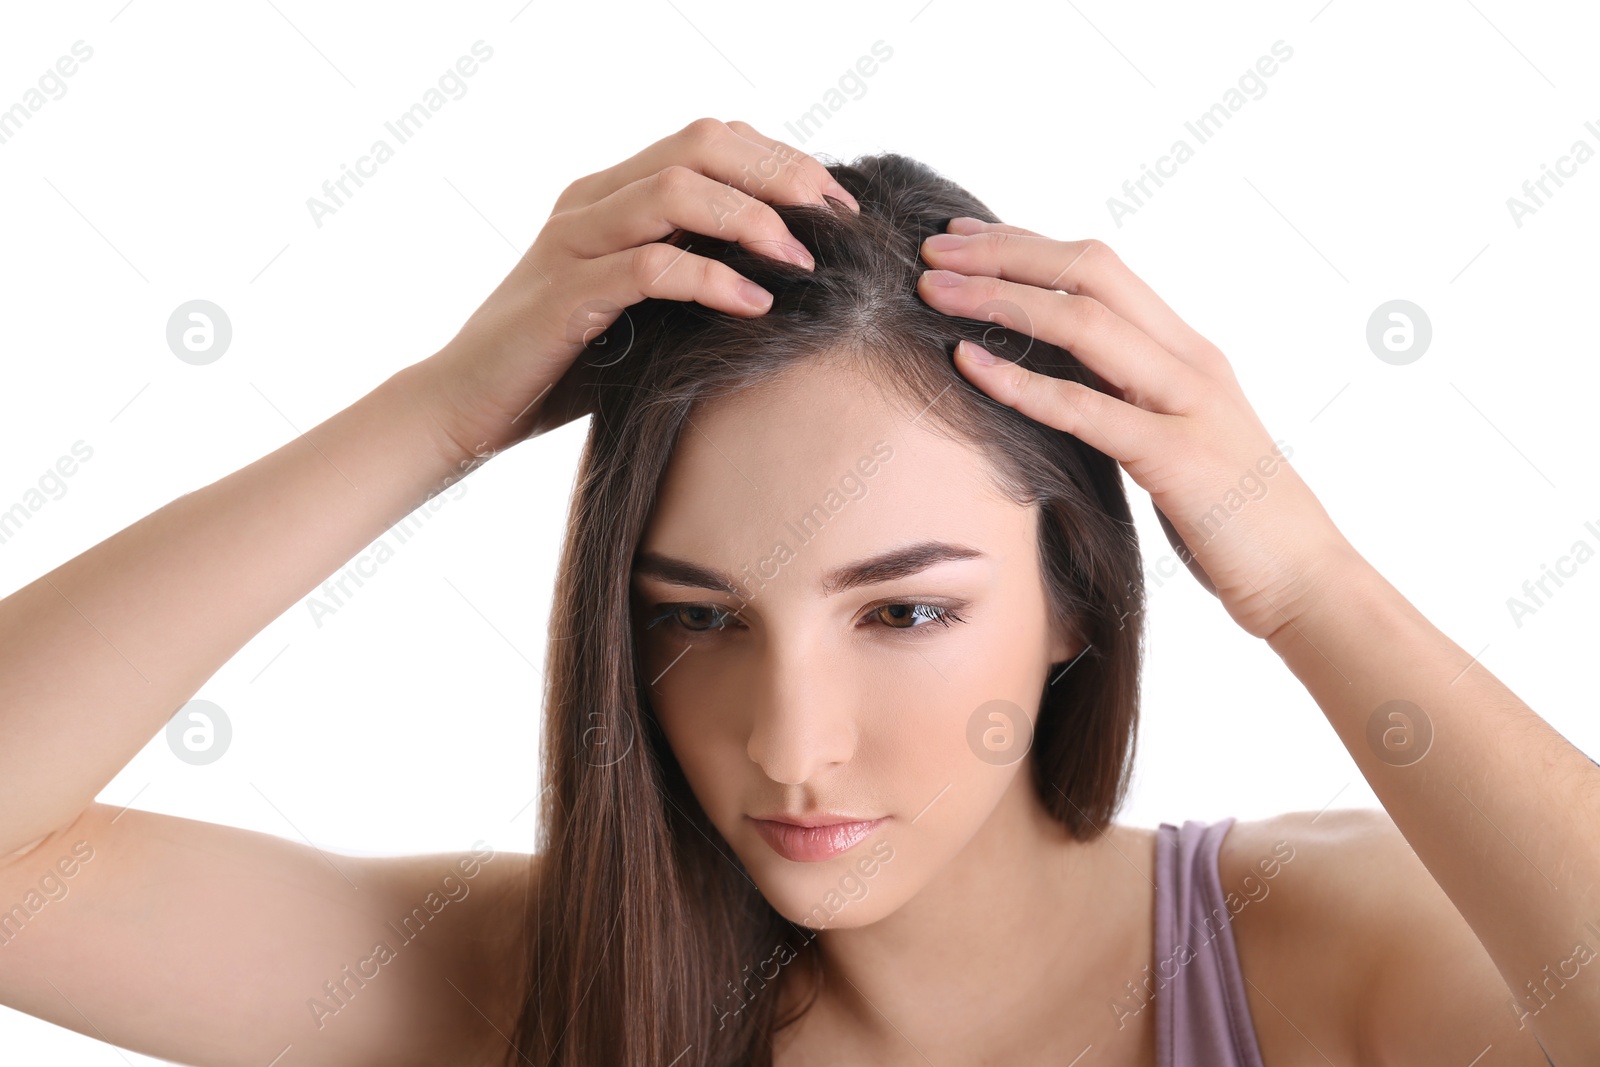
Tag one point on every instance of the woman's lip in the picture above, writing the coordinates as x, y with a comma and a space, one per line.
804, 844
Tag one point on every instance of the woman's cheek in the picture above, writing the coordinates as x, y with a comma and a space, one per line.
705, 742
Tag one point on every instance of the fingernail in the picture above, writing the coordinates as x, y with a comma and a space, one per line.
944, 242
977, 353
966, 225
834, 189
753, 294
800, 255
944, 278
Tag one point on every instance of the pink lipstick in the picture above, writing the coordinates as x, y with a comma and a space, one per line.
810, 844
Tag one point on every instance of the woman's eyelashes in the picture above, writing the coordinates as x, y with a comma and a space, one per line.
695, 620
936, 613
704, 617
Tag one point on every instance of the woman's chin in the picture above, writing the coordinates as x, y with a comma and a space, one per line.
852, 889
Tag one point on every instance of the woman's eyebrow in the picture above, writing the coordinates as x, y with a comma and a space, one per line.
883, 567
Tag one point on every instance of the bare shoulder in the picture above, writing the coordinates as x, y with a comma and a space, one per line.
1351, 951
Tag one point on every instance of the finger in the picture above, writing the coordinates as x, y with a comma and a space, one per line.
781, 175
1103, 422
677, 197
965, 224
830, 185
1087, 268
1143, 372
670, 273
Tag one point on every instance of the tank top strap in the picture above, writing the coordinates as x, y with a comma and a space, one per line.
1202, 1017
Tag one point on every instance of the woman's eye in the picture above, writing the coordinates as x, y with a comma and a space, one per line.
905, 616
693, 618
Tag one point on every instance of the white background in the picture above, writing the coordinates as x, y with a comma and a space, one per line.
1376, 166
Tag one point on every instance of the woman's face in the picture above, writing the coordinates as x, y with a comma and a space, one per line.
881, 652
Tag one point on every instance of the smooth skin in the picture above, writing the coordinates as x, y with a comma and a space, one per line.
201, 943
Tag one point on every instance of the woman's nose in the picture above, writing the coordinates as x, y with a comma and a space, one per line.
802, 722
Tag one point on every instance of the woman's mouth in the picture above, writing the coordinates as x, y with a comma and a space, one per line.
810, 844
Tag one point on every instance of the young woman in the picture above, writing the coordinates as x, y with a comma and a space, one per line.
842, 692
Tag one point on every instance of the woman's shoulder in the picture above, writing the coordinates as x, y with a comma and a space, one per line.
1311, 879
1327, 854
1350, 950
1303, 888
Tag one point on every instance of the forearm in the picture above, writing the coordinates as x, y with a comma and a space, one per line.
1501, 809
97, 655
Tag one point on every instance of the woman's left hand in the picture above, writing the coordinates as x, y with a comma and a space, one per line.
1174, 415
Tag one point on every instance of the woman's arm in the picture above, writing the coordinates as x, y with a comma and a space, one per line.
1502, 810
97, 655
222, 946
216, 946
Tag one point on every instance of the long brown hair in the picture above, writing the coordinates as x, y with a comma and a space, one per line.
647, 942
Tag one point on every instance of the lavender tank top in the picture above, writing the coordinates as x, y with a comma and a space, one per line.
1202, 1017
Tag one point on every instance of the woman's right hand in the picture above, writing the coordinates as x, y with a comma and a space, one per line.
495, 383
